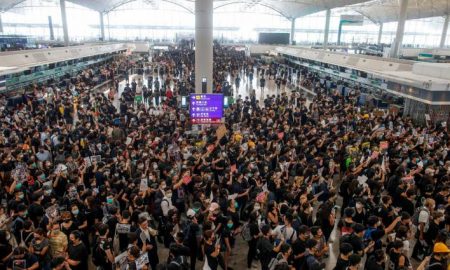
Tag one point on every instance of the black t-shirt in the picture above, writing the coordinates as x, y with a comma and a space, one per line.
357, 243
213, 262
298, 247
265, 249
436, 265
341, 264
78, 253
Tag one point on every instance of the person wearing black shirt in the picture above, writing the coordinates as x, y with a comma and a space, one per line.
376, 261
212, 250
407, 203
77, 252
397, 259
35, 210
147, 242
266, 248
438, 261
433, 228
343, 260
254, 232
299, 246
21, 254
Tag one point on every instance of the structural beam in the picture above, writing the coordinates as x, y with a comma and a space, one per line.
50, 27
400, 29
102, 26
62, 4
380, 33
292, 31
203, 46
327, 29
444, 32
1, 23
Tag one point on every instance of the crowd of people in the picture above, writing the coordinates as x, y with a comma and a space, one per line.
84, 177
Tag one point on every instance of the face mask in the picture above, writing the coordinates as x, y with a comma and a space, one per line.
18, 186
230, 225
75, 212
236, 205
21, 196
169, 195
42, 176
25, 213
47, 192
109, 200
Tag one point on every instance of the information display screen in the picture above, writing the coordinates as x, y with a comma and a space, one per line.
206, 108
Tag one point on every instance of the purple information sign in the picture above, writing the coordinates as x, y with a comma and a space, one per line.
206, 108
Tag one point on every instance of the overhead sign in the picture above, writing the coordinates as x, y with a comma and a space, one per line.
206, 108
352, 19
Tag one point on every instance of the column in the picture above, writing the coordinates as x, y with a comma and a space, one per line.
380, 33
1, 23
444, 32
102, 27
203, 45
327, 29
292, 31
50, 27
62, 4
400, 29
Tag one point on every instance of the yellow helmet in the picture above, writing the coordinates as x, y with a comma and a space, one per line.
440, 248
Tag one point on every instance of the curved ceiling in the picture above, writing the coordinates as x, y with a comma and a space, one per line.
381, 11
286, 8
376, 10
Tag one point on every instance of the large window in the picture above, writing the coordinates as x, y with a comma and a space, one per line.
236, 22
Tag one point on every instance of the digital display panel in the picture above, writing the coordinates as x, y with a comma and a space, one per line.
206, 108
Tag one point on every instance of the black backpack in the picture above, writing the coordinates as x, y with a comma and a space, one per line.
180, 262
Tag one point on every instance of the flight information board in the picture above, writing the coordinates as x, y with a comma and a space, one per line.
206, 108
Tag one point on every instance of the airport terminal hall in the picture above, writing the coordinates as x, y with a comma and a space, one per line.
224, 134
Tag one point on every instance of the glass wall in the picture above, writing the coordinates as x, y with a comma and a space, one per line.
31, 18
236, 22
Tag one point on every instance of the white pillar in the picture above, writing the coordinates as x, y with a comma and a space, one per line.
380, 33
327, 29
62, 4
102, 26
444, 32
203, 44
1, 23
292, 31
400, 29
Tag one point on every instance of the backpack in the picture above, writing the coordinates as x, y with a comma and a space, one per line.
415, 217
276, 261
181, 263
157, 210
246, 233
187, 233
99, 254
288, 240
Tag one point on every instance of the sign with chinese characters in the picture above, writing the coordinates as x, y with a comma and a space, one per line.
206, 108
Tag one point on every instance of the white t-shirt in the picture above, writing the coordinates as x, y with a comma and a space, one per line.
286, 233
424, 217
